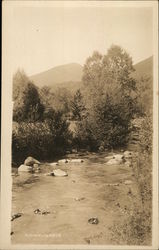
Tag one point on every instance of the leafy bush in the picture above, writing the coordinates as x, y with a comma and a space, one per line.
144, 100
145, 135
42, 140
30, 139
137, 228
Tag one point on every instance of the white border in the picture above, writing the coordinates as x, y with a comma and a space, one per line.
7, 72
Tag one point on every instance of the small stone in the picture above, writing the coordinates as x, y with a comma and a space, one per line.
63, 161
37, 211
45, 212
15, 216
128, 182
129, 192
93, 220
79, 199
117, 204
53, 164
50, 174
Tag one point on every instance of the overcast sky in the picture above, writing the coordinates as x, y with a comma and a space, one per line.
46, 37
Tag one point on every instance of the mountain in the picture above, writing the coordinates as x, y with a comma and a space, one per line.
69, 75
61, 76
143, 68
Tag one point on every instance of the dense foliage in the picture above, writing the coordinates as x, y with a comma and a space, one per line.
40, 131
110, 100
77, 106
59, 99
27, 103
101, 111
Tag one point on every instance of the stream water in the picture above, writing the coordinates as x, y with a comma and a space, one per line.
92, 189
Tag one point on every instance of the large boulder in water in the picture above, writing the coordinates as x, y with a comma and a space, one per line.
118, 157
128, 154
116, 160
30, 161
77, 160
63, 161
59, 173
24, 168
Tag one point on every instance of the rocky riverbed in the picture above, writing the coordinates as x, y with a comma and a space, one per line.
61, 210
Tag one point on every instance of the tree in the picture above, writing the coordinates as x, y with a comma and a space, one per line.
27, 104
46, 96
77, 106
92, 73
62, 100
110, 98
145, 96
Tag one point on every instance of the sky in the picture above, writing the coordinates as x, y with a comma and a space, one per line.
45, 37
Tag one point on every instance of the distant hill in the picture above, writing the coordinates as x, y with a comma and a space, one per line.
70, 75
143, 68
61, 76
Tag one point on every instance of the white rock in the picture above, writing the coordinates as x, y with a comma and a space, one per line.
49, 174
29, 161
63, 161
77, 160
68, 160
53, 164
79, 199
114, 162
59, 173
118, 157
127, 182
128, 154
24, 168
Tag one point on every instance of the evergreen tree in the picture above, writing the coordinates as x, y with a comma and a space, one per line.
77, 106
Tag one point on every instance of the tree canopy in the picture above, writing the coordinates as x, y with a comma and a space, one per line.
109, 98
27, 103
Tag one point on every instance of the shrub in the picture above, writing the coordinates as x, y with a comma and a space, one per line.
137, 228
42, 140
